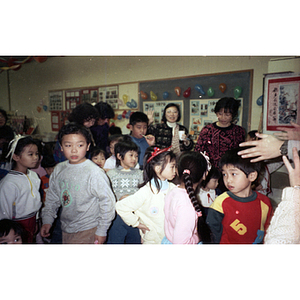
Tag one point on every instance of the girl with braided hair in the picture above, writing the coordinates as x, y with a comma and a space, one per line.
184, 215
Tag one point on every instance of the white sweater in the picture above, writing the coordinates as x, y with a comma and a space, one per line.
285, 224
147, 208
23, 190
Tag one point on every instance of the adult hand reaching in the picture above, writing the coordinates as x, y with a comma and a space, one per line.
266, 148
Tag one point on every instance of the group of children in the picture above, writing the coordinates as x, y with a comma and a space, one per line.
131, 197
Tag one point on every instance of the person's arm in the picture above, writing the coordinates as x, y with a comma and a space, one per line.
202, 140
8, 196
285, 224
214, 220
266, 148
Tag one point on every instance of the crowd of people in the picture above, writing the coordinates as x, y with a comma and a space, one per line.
151, 186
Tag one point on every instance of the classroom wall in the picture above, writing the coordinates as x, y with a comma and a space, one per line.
29, 86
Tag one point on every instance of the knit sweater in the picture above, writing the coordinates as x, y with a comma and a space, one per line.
23, 190
217, 140
125, 182
145, 207
180, 218
285, 224
84, 192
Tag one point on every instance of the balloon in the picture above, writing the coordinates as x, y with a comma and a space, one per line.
125, 98
116, 116
165, 95
153, 96
177, 90
40, 59
199, 89
124, 114
120, 102
144, 95
39, 109
222, 87
237, 91
132, 104
128, 126
119, 117
259, 101
45, 107
210, 92
187, 93
128, 114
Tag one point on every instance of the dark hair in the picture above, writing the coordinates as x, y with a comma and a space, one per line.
3, 112
124, 145
214, 173
96, 151
137, 117
114, 137
105, 110
229, 104
114, 130
21, 144
252, 134
48, 161
158, 160
192, 166
74, 128
164, 119
7, 225
82, 113
230, 157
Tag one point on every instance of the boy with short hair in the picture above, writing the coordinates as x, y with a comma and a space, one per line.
138, 124
239, 215
125, 179
82, 189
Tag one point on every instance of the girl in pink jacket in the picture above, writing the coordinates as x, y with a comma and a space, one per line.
184, 215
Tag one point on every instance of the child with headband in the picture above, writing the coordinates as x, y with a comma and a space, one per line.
20, 198
185, 219
145, 208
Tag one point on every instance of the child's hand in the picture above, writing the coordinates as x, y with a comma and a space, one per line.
124, 196
150, 113
45, 230
150, 139
99, 239
143, 228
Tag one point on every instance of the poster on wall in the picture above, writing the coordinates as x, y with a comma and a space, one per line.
202, 113
158, 109
110, 95
56, 100
72, 99
281, 101
89, 96
58, 119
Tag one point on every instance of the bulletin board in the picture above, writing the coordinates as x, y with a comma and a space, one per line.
237, 84
281, 101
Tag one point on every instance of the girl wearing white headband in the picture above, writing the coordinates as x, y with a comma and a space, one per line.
20, 199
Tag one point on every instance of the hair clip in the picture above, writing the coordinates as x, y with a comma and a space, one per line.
157, 151
207, 160
199, 213
13, 143
186, 172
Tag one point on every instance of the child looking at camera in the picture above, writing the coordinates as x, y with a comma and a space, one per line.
145, 208
240, 215
82, 189
98, 156
125, 179
11, 232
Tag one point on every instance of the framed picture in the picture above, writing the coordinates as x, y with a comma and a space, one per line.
56, 100
281, 101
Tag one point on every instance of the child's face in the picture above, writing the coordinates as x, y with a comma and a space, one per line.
74, 147
28, 158
49, 170
112, 147
11, 238
139, 129
224, 118
130, 159
89, 123
212, 184
236, 180
169, 172
99, 160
